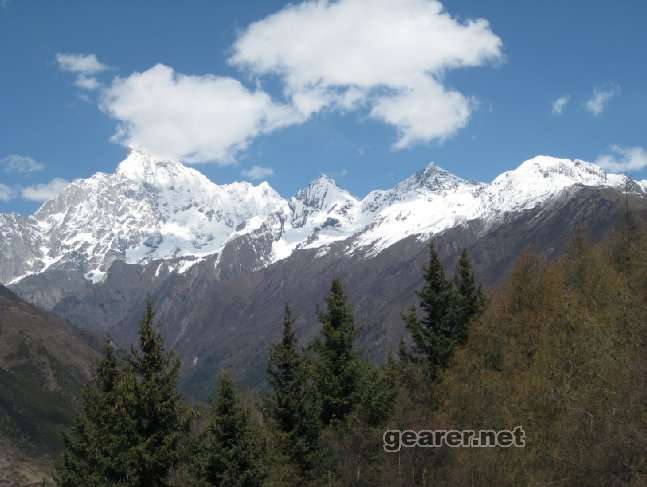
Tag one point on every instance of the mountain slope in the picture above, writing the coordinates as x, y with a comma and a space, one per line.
229, 319
43, 364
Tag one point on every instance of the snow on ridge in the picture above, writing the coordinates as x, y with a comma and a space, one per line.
154, 209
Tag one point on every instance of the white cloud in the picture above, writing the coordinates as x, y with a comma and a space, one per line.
85, 66
388, 54
423, 113
599, 100
560, 104
258, 172
44, 192
623, 159
21, 164
89, 83
6, 192
194, 118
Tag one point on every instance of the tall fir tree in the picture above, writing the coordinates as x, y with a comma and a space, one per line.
433, 333
292, 404
91, 448
447, 308
132, 423
160, 421
337, 366
227, 454
470, 299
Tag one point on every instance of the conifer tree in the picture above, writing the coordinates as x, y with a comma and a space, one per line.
132, 423
227, 455
337, 366
159, 420
447, 308
377, 391
471, 300
90, 449
433, 334
291, 403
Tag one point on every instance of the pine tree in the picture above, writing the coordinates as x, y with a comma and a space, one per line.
337, 367
226, 455
292, 404
159, 420
434, 334
447, 309
90, 455
471, 300
377, 391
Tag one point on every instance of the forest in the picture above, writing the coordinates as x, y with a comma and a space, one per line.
558, 348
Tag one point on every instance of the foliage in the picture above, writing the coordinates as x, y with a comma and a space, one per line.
226, 454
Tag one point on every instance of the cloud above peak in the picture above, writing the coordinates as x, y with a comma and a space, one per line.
559, 104
385, 58
388, 54
85, 66
80, 63
16, 163
623, 159
600, 99
202, 118
257, 173
45, 191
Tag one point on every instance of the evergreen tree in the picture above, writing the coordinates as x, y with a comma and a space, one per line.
159, 420
434, 334
377, 391
292, 404
89, 455
470, 299
132, 422
227, 455
447, 308
337, 367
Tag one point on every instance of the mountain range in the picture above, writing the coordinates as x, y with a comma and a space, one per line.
220, 260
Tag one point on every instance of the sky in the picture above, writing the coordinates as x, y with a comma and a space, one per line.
366, 91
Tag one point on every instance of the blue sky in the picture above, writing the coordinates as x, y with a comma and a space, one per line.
492, 86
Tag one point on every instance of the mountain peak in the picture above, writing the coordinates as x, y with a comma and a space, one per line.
323, 179
433, 178
143, 166
541, 169
321, 192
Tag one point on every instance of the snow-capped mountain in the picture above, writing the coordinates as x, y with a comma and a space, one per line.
152, 209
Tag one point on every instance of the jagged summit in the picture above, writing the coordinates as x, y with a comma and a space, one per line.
322, 191
433, 178
575, 170
540, 177
157, 209
143, 167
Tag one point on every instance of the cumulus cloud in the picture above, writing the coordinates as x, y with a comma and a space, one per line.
600, 99
85, 66
258, 172
560, 104
194, 118
389, 55
45, 191
21, 164
6, 192
623, 159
